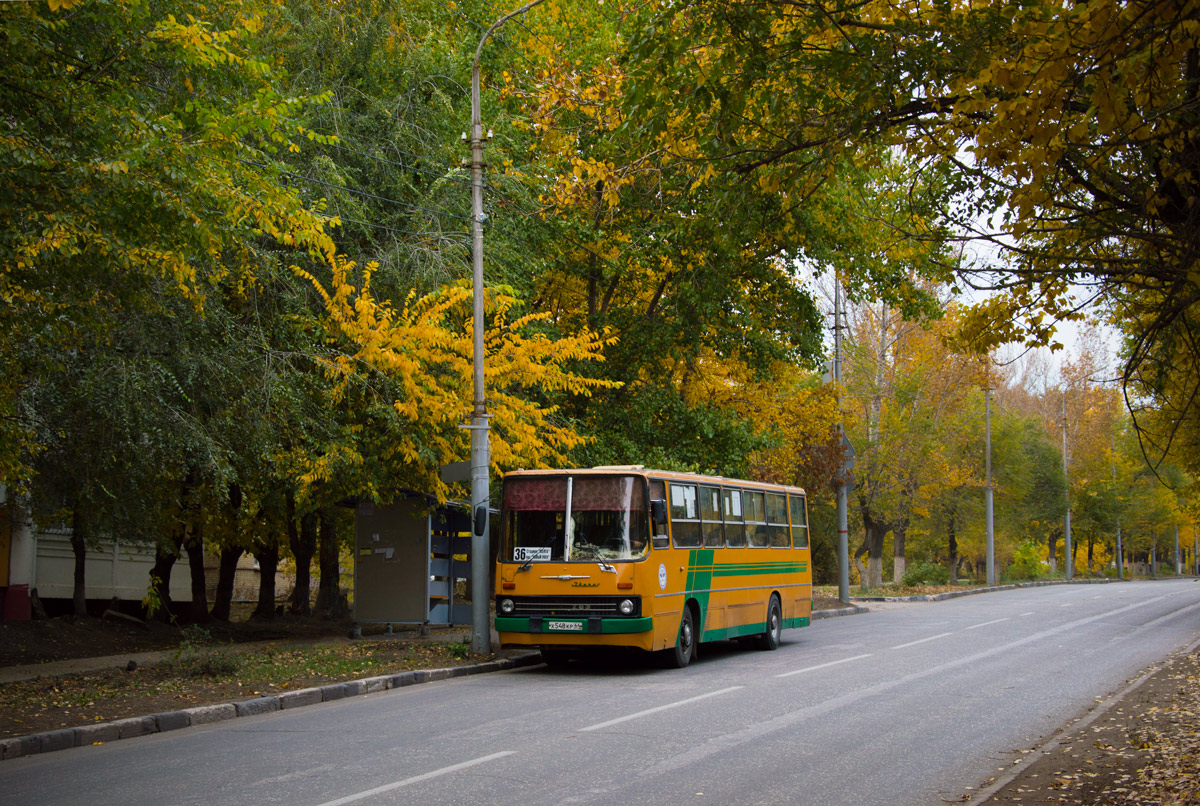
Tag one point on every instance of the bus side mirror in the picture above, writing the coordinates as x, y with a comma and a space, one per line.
658, 511
480, 519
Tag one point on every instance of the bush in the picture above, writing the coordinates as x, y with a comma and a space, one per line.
1027, 562
923, 573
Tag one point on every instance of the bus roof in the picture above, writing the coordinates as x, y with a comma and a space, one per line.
670, 475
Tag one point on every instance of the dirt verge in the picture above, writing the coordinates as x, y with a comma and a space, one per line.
1144, 749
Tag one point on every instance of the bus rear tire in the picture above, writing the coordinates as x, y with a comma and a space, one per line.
685, 647
770, 639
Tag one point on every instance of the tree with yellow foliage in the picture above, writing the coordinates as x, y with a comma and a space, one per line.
910, 401
1069, 133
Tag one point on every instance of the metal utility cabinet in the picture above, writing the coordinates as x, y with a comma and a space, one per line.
404, 562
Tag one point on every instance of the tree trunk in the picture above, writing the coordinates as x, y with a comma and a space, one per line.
223, 601
952, 547
227, 567
862, 569
267, 555
195, 551
1090, 552
160, 574
329, 589
899, 562
303, 543
81, 534
873, 534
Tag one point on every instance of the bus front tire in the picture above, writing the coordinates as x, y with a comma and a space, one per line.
770, 639
685, 647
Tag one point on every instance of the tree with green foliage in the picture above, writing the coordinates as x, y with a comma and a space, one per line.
1068, 134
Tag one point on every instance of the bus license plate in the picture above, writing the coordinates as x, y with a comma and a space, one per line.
567, 626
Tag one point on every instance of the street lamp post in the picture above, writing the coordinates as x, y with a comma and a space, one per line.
843, 546
481, 635
1068, 549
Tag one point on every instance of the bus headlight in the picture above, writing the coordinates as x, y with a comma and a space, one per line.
506, 605
626, 607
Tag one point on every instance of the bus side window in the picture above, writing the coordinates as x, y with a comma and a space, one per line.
735, 527
658, 493
799, 521
756, 520
685, 516
710, 514
777, 522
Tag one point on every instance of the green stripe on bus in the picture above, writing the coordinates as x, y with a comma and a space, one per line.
735, 632
758, 628
700, 572
758, 569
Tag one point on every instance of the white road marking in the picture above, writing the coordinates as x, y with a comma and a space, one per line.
788, 720
824, 665
923, 640
416, 779
1030, 613
649, 711
984, 624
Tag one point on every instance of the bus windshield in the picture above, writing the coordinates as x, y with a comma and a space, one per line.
574, 519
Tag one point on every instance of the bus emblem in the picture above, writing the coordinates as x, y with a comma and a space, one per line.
585, 584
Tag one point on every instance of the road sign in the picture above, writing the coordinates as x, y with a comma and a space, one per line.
456, 471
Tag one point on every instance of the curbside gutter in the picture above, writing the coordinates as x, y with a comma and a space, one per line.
104, 732
938, 597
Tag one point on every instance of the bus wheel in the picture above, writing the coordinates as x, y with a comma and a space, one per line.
685, 648
770, 639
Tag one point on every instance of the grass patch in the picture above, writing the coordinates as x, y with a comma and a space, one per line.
204, 672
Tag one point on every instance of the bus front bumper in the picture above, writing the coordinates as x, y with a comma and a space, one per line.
587, 625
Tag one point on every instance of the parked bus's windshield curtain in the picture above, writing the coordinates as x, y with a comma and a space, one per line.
575, 518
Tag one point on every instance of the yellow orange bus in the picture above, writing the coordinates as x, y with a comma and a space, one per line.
660, 561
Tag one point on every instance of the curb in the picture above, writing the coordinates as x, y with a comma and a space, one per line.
938, 597
852, 610
101, 733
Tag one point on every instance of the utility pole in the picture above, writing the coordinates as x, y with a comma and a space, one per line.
1120, 551
1120, 554
987, 491
1069, 554
843, 526
1178, 564
481, 628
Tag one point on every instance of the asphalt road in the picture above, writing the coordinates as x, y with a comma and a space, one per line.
910, 704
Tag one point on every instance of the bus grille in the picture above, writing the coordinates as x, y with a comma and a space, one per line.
572, 606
